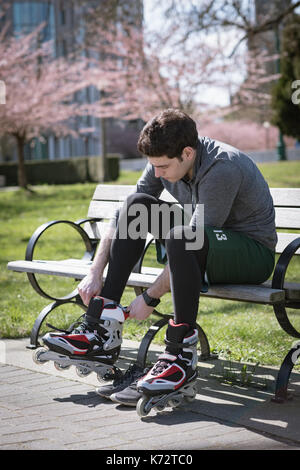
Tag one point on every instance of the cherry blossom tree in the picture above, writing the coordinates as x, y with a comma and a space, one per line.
137, 73
244, 135
143, 74
40, 91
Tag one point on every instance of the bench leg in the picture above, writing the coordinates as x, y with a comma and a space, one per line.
153, 330
282, 381
34, 342
146, 341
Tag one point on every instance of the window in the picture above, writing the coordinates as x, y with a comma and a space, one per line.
28, 15
62, 14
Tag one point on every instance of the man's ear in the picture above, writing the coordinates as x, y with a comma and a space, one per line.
189, 152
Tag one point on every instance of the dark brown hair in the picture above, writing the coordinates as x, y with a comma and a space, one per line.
168, 134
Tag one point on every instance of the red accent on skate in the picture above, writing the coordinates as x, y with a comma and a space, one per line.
172, 323
77, 338
80, 353
164, 375
172, 370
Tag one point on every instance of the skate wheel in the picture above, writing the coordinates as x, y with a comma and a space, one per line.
110, 374
192, 396
142, 407
82, 371
174, 402
38, 355
59, 366
159, 407
102, 378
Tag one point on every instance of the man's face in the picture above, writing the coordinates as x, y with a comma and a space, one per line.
173, 169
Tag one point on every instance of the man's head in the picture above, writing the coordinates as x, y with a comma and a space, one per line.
169, 140
168, 134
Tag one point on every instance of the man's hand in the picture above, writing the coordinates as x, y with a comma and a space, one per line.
89, 287
139, 309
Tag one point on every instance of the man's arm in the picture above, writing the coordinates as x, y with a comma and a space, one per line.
138, 308
161, 285
91, 285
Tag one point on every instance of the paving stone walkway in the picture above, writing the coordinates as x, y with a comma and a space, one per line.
41, 408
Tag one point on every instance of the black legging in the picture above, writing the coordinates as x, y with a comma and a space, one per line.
187, 267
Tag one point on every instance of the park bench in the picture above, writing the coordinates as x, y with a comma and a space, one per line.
276, 292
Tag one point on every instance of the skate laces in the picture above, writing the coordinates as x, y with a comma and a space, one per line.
82, 328
131, 373
57, 329
164, 360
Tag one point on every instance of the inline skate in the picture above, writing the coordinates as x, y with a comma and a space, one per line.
172, 380
93, 346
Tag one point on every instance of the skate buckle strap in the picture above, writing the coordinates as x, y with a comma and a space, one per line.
181, 345
168, 357
92, 320
174, 344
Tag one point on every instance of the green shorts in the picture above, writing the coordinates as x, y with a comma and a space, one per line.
234, 258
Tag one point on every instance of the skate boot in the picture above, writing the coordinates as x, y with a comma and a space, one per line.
122, 382
173, 378
93, 346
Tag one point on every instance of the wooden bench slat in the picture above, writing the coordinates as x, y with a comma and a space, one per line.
106, 208
108, 198
104, 192
287, 218
292, 290
120, 192
78, 269
284, 239
103, 209
286, 197
97, 229
282, 197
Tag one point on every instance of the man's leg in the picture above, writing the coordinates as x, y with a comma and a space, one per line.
187, 269
126, 250
177, 367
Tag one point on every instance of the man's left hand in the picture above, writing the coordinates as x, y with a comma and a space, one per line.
139, 309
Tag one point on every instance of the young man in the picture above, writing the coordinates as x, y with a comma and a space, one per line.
236, 244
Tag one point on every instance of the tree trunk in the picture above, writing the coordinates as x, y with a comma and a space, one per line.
103, 157
22, 179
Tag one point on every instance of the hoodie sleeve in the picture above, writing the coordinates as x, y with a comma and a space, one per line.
217, 192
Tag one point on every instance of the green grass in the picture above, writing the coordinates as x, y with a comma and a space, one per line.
239, 331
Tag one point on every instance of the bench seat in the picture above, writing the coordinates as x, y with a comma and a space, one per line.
78, 269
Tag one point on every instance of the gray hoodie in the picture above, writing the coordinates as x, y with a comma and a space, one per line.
231, 187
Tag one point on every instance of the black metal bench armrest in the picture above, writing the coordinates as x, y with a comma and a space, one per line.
88, 255
87, 219
278, 283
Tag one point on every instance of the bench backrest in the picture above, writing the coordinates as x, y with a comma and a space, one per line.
287, 215
107, 198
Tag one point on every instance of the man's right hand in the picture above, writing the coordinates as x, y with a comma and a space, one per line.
90, 286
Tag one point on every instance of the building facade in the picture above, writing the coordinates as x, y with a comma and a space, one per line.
65, 26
